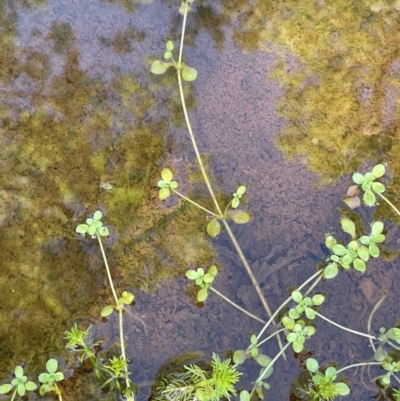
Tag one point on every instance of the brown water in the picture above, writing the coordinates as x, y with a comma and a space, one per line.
85, 126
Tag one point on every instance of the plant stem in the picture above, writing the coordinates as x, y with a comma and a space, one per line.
272, 335
107, 268
13, 396
194, 203
270, 364
120, 311
207, 180
345, 328
371, 315
390, 204
356, 365
236, 305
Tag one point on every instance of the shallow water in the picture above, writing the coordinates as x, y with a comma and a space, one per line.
85, 126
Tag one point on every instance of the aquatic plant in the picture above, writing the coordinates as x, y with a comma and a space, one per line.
50, 378
20, 384
197, 383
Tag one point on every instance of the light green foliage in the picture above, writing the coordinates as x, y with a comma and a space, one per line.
197, 383
159, 67
126, 299
376, 237
166, 184
239, 216
391, 367
117, 369
384, 336
213, 227
349, 227
20, 384
304, 305
50, 378
299, 332
322, 386
369, 185
203, 280
237, 196
93, 225
78, 340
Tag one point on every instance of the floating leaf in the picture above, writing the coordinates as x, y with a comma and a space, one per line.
296, 295
235, 203
191, 275
82, 229
342, 388
358, 178
239, 216
6, 388
239, 356
164, 193
202, 295
374, 251
244, 396
312, 365
167, 175
339, 249
318, 299
378, 170
349, 227
97, 215
331, 271
169, 46
377, 228
378, 188
263, 360
369, 198
213, 228
103, 231
188, 73
107, 310
359, 265
159, 67
330, 242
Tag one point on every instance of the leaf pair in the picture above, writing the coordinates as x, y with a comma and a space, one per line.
126, 299
93, 225
203, 280
166, 184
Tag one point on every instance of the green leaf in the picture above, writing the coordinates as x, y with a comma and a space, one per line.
291, 337
330, 242
310, 313
318, 299
241, 190
363, 253
331, 271
379, 238
294, 314
253, 352
213, 270
188, 73
374, 251
394, 333
103, 231
342, 388
21, 389
82, 229
253, 339
213, 228
331, 372
297, 347
349, 227
339, 249
59, 376
263, 360
244, 396
97, 215
378, 188
288, 322
369, 198
44, 377
235, 203
30, 386
377, 228
126, 299
107, 310
19, 372
358, 178
359, 265
159, 67
173, 185
239, 356
164, 193
208, 278
364, 240
5, 388
380, 354
239, 216
92, 230
378, 170
296, 295
312, 365
52, 365
191, 275
167, 175
169, 46
202, 295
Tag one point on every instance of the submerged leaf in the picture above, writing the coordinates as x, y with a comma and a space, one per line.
159, 67
239, 216
213, 228
188, 73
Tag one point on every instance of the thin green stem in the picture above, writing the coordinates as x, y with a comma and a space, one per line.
107, 268
264, 371
272, 335
236, 305
356, 365
390, 204
206, 178
122, 340
13, 396
194, 203
371, 315
345, 328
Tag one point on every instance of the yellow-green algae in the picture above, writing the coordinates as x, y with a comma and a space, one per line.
341, 101
58, 147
